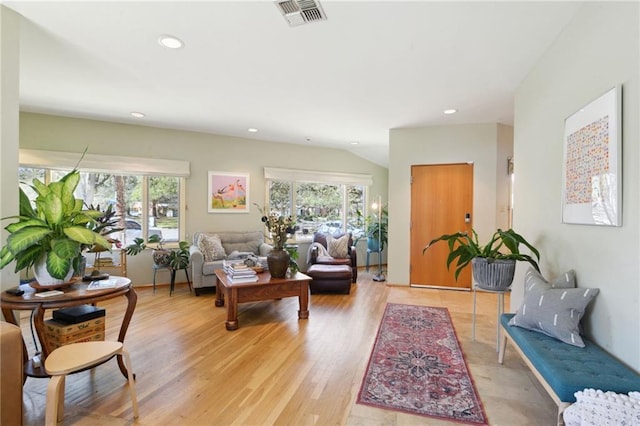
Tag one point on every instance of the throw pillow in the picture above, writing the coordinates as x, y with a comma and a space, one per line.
211, 247
533, 278
338, 247
555, 312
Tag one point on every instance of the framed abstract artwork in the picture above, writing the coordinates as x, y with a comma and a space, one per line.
228, 192
592, 166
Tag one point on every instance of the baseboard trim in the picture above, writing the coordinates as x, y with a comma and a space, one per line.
439, 287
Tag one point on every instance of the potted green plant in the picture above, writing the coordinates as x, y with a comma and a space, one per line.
375, 229
174, 258
293, 258
105, 224
107, 221
179, 258
50, 236
160, 255
490, 261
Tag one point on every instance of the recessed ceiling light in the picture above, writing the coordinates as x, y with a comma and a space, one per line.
252, 130
137, 114
450, 111
355, 143
170, 42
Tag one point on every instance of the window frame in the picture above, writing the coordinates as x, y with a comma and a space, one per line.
52, 161
343, 180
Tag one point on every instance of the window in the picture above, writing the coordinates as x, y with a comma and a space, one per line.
127, 192
356, 209
164, 206
322, 203
26, 177
280, 197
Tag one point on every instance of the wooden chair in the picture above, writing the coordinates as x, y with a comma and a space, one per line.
77, 357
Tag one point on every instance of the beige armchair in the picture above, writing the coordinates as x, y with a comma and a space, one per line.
11, 378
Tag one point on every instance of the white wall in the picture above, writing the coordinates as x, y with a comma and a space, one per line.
597, 50
9, 68
204, 152
503, 185
477, 143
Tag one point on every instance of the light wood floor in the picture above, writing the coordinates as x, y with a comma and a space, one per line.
276, 369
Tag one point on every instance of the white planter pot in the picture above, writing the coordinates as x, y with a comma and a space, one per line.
44, 278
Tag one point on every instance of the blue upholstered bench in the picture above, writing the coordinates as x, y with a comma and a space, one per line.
564, 369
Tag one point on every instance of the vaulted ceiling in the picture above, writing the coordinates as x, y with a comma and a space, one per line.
369, 67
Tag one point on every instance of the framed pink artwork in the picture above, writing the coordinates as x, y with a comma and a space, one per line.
228, 192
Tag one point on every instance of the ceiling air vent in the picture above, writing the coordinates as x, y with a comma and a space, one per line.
298, 12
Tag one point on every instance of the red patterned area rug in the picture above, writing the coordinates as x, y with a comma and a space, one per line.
417, 367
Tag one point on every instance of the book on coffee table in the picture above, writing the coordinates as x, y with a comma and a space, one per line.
240, 280
102, 284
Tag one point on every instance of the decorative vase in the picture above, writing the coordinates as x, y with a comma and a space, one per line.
44, 278
82, 267
161, 257
493, 274
278, 261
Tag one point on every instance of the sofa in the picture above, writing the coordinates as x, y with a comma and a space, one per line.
210, 249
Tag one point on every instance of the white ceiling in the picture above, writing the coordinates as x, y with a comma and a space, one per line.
370, 67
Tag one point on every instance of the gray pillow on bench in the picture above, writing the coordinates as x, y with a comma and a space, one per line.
533, 278
555, 312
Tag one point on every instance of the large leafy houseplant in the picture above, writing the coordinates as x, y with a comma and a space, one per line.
54, 232
503, 245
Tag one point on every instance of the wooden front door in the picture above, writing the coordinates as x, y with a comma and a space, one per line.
441, 203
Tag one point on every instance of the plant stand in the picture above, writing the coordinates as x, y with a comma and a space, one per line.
492, 276
173, 277
500, 294
375, 248
368, 253
156, 268
109, 262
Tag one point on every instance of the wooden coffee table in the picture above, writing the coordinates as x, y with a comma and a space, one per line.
265, 288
